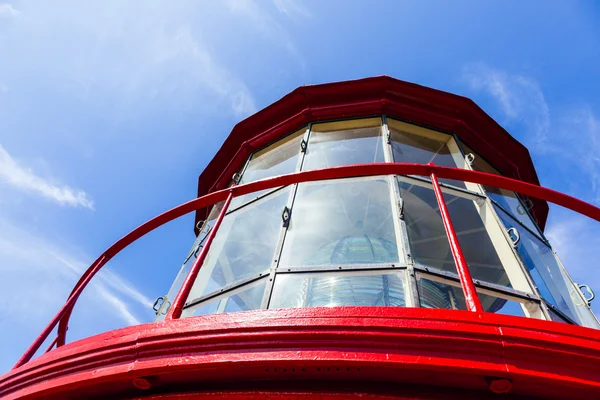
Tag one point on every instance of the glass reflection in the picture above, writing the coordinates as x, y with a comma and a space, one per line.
427, 236
279, 158
248, 297
189, 261
243, 246
346, 142
552, 283
338, 289
422, 147
341, 222
505, 198
434, 293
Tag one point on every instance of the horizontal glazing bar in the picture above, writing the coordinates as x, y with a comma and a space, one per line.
478, 283
333, 268
226, 289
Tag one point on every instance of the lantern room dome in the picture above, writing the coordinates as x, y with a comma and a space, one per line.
381, 95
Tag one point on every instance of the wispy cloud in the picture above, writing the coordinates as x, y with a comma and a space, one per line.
291, 8
567, 143
571, 133
265, 23
36, 277
23, 178
7, 11
520, 98
183, 48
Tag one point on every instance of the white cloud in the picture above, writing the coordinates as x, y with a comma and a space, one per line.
8, 11
568, 143
36, 277
291, 7
262, 21
519, 98
183, 48
25, 179
572, 134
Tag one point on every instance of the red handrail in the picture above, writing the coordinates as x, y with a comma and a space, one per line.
462, 268
356, 170
177, 307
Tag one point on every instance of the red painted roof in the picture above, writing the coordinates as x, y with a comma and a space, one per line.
373, 96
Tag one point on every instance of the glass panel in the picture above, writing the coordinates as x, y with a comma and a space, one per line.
544, 270
439, 293
506, 199
338, 289
556, 317
280, 158
341, 222
189, 261
427, 236
243, 246
345, 142
421, 147
582, 308
248, 297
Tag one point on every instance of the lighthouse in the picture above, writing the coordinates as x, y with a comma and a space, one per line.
370, 238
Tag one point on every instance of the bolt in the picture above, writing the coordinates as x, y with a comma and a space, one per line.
142, 383
499, 385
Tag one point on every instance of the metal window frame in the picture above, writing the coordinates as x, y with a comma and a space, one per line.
508, 291
485, 289
400, 229
448, 141
226, 289
539, 232
372, 270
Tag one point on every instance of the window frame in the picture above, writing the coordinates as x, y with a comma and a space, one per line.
523, 286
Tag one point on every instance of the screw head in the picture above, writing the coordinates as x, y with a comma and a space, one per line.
142, 383
499, 385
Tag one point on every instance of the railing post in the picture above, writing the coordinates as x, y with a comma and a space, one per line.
466, 281
177, 307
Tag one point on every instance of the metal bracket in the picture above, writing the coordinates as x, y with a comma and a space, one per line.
303, 145
286, 215
236, 178
470, 158
159, 303
515, 236
401, 208
590, 292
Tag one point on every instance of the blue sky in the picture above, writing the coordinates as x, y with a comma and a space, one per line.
110, 110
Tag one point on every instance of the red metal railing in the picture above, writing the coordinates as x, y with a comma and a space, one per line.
62, 317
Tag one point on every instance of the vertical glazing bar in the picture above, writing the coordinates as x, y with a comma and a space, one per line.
177, 307
466, 281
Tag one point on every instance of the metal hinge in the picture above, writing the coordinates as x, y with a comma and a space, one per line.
236, 178
160, 303
286, 215
303, 145
401, 208
514, 237
589, 290
470, 158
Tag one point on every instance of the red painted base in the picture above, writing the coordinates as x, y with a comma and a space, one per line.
325, 353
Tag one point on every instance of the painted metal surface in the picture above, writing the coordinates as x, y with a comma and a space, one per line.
62, 317
427, 348
466, 281
381, 95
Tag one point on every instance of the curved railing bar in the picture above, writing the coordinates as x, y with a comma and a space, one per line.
356, 170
